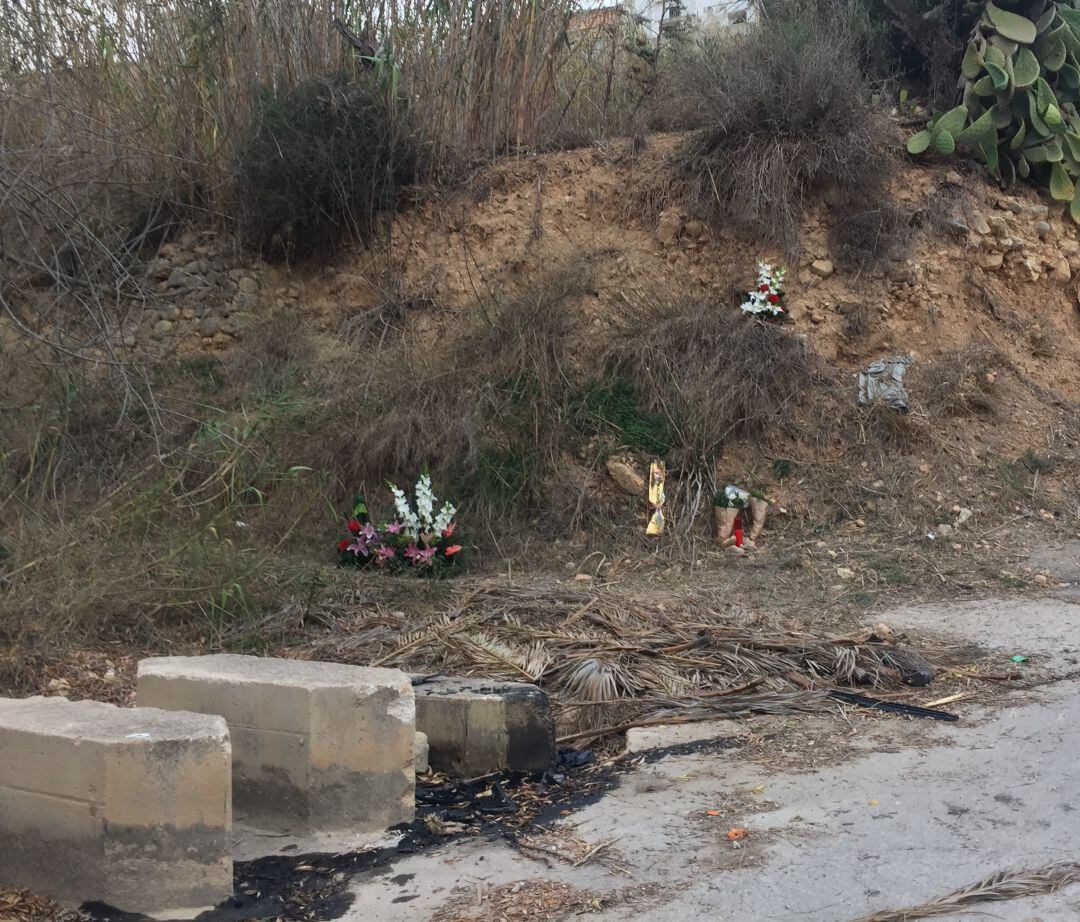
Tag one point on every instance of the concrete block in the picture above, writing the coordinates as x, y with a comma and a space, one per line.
316, 746
476, 726
420, 753
127, 807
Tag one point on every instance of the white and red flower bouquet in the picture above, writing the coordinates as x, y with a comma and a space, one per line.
766, 302
419, 539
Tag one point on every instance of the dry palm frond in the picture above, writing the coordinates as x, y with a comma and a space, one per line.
607, 659
1004, 885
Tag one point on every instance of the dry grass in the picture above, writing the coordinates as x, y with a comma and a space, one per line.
960, 383
783, 114
609, 658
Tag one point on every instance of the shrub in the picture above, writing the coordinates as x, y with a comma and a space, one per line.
324, 158
784, 111
709, 375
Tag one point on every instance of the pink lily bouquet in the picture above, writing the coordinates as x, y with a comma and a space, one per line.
418, 539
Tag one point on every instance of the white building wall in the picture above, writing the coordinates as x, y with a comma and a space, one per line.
716, 14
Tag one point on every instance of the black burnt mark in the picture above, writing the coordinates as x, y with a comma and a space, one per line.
502, 805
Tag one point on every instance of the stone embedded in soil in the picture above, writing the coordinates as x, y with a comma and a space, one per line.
1042, 228
162, 327
1061, 272
626, 478
822, 268
993, 260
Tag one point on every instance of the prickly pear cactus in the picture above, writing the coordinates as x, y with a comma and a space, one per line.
1020, 107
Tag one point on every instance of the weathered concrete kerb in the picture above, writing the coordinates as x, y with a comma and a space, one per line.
126, 807
316, 746
476, 726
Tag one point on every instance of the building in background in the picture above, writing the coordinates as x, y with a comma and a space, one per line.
715, 14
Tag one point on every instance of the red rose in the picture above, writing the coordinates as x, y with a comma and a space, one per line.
342, 544
764, 286
354, 526
773, 299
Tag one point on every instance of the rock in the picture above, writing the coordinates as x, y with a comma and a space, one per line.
670, 227
992, 261
1041, 578
162, 327
1042, 228
1010, 204
129, 340
248, 285
963, 515
171, 313
978, 223
697, 230
626, 477
420, 753
188, 313
209, 325
817, 317
998, 225
198, 267
178, 278
822, 268
1039, 211
953, 178
1061, 272
943, 531
925, 468
845, 573
243, 300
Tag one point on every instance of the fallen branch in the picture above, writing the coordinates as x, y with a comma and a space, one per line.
1004, 885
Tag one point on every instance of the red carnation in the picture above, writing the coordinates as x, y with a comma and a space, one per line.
773, 299
354, 526
764, 286
342, 544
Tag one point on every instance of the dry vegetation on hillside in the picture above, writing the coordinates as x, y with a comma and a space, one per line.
526, 281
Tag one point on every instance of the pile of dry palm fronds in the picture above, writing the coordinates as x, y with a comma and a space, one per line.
609, 661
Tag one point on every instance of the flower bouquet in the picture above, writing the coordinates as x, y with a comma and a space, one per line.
727, 503
419, 539
766, 301
759, 509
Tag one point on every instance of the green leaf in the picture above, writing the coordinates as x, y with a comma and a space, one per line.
1061, 187
944, 142
1055, 56
1006, 45
919, 142
1054, 153
1070, 18
1018, 138
1033, 116
1044, 96
1013, 27
1022, 167
953, 121
972, 63
1036, 154
998, 75
1025, 69
1070, 76
984, 86
1053, 119
1074, 206
1047, 19
1072, 141
989, 151
982, 127
994, 55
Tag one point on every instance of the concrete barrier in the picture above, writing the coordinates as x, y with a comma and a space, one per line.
122, 806
316, 746
476, 726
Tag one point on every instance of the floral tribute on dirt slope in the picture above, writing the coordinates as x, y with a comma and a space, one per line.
766, 301
419, 539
